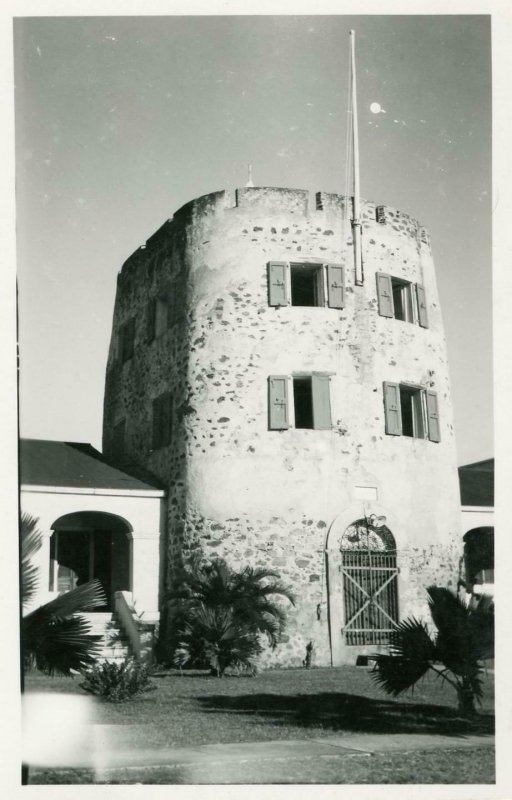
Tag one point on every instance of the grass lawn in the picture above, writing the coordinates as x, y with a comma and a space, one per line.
194, 709
465, 766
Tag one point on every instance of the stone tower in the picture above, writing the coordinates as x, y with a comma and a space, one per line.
299, 421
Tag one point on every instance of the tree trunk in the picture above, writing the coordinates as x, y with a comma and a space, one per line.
466, 699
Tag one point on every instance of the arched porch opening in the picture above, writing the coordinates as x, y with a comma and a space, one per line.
91, 544
479, 557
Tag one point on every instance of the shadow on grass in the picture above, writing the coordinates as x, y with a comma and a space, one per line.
337, 711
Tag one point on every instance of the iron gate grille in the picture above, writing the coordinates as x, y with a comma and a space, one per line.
370, 589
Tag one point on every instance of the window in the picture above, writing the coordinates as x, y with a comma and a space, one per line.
162, 421
158, 319
126, 340
411, 411
401, 299
118, 440
311, 405
306, 284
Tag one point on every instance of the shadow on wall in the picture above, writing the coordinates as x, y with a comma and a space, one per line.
337, 711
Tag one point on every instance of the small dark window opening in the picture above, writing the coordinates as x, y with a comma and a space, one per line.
306, 285
118, 440
303, 402
127, 336
402, 300
411, 403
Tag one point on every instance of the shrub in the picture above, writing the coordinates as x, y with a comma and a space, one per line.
220, 614
116, 682
213, 638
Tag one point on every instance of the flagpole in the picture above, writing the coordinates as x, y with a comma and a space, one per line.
356, 211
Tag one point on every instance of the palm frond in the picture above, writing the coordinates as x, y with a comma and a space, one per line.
86, 597
59, 646
30, 543
412, 652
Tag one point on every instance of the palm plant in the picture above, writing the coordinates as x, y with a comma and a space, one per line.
213, 637
465, 636
218, 608
54, 638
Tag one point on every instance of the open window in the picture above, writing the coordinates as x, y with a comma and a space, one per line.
127, 340
411, 411
310, 400
162, 420
159, 318
118, 440
401, 299
306, 284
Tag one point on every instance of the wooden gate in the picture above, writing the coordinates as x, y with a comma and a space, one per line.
370, 591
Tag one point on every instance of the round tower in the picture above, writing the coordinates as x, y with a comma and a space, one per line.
300, 421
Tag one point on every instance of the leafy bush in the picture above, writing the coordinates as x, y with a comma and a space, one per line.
116, 682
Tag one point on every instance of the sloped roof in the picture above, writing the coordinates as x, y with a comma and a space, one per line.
45, 462
477, 483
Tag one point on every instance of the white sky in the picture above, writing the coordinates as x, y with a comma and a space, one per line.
120, 121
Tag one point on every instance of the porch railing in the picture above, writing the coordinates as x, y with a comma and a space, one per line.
140, 634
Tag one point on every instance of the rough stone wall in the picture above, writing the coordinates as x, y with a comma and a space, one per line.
270, 498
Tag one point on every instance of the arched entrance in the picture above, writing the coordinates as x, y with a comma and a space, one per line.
479, 557
91, 544
370, 583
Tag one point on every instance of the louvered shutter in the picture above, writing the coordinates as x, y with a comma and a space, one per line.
127, 340
157, 423
151, 320
434, 433
422, 306
321, 402
277, 288
392, 411
385, 295
278, 402
166, 419
336, 285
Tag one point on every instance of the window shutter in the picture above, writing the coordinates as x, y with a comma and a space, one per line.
277, 288
336, 285
157, 422
422, 306
434, 433
385, 295
161, 317
166, 419
392, 408
321, 402
151, 320
118, 439
278, 402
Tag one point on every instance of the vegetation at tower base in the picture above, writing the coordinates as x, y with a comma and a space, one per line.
220, 614
54, 637
465, 636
